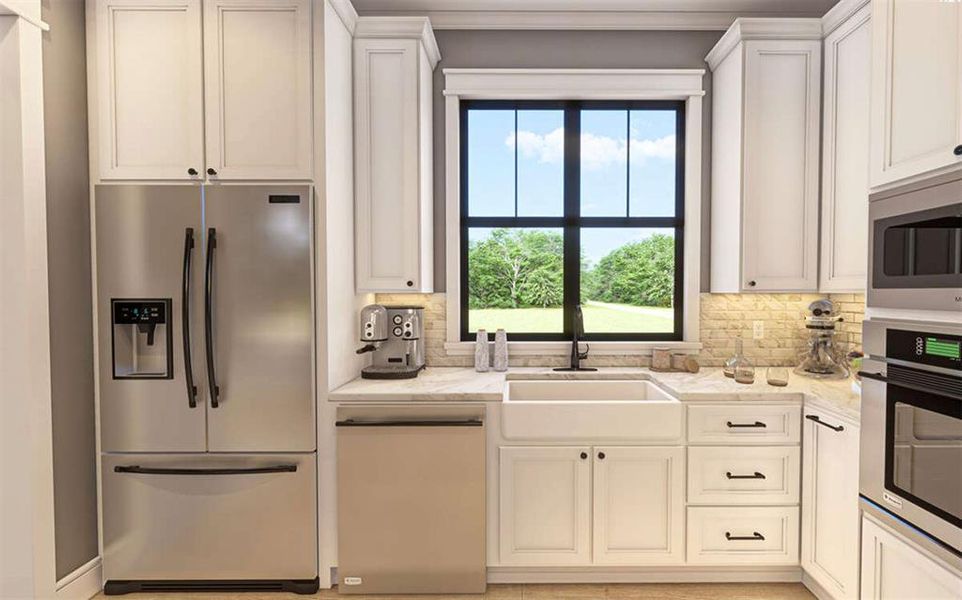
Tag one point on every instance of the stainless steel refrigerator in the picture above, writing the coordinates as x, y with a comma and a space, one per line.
207, 404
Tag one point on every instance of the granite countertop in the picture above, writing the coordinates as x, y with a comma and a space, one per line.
465, 385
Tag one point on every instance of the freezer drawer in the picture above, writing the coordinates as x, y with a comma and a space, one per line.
411, 500
168, 517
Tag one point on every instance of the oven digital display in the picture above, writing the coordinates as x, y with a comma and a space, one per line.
925, 347
942, 347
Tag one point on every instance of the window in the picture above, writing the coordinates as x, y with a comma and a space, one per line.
572, 202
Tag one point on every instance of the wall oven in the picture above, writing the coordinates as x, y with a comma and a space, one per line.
911, 438
915, 247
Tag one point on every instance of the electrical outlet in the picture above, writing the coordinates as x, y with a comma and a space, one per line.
758, 330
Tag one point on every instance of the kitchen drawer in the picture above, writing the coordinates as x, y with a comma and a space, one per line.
746, 423
756, 535
743, 474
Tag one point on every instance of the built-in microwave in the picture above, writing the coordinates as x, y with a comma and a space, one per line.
915, 247
911, 433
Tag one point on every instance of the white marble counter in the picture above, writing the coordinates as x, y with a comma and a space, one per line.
447, 384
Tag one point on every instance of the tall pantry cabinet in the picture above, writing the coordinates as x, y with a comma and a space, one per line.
203, 89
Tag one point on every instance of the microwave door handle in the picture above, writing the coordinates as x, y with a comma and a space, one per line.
185, 318
209, 317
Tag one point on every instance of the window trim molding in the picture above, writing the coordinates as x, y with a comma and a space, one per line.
575, 84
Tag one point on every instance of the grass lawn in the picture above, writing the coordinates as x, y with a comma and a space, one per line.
599, 318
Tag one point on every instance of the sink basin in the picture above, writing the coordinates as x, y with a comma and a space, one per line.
591, 411
583, 391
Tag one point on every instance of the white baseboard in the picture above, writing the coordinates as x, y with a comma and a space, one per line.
83, 583
817, 589
683, 574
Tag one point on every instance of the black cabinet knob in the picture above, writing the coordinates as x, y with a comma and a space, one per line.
584, 455
958, 150
192, 171
211, 171
601, 456
751, 283
410, 284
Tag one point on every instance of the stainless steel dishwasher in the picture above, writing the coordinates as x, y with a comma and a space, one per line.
411, 500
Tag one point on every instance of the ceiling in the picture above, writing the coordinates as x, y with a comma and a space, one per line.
592, 14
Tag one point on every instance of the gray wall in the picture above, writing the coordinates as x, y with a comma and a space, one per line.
569, 49
68, 247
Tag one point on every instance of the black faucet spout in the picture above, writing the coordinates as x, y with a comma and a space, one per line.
577, 330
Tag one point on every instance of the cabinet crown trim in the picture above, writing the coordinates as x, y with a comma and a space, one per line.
763, 29
346, 13
840, 13
416, 28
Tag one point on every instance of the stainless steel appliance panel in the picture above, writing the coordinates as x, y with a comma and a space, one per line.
142, 242
260, 255
411, 500
168, 517
915, 247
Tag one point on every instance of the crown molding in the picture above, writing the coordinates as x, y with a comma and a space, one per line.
763, 29
345, 11
574, 84
840, 13
394, 27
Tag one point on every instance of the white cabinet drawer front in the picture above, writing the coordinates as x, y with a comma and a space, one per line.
743, 475
748, 424
743, 535
635, 422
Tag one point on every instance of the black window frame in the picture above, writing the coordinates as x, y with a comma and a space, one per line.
571, 222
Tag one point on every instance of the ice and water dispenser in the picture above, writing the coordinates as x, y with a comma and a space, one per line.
142, 347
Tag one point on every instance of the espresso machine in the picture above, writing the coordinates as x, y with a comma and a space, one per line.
394, 335
824, 358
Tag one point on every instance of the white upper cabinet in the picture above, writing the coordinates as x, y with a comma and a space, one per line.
394, 58
916, 102
257, 64
169, 71
845, 149
830, 513
765, 151
149, 89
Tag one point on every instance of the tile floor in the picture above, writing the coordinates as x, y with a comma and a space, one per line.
652, 591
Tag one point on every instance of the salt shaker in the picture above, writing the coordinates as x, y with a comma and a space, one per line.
500, 350
482, 353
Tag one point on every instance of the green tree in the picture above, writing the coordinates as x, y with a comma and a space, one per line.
640, 273
516, 268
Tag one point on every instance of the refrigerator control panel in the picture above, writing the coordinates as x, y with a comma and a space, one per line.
141, 341
140, 312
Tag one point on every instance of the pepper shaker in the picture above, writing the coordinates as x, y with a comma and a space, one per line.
500, 350
482, 353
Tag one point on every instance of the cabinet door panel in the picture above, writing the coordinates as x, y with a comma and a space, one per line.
782, 97
917, 88
845, 161
830, 505
545, 505
892, 569
386, 129
149, 89
257, 58
639, 508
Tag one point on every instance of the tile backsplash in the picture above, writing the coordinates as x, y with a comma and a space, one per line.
723, 317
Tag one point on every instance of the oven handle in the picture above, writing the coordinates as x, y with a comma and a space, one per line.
909, 386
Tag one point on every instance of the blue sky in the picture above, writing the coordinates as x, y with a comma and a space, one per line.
605, 167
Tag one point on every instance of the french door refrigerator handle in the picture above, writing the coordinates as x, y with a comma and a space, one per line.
137, 469
185, 319
209, 316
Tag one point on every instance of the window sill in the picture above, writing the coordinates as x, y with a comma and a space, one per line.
564, 348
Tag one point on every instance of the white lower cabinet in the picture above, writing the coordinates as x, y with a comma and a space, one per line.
743, 475
639, 505
545, 505
830, 512
893, 569
546, 514
743, 535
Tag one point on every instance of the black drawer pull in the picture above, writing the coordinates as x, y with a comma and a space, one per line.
745, 425
137, 469
755, 475
821, 422
755, 536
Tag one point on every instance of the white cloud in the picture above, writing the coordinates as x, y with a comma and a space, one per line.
597, 151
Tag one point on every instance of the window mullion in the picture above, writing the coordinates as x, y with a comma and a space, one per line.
572, 212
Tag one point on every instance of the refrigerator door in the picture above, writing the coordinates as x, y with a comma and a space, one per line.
258, 251
144, 254
204, 517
